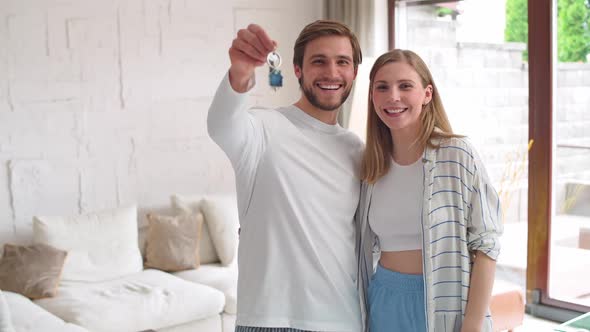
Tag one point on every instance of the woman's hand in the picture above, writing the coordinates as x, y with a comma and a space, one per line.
471, 324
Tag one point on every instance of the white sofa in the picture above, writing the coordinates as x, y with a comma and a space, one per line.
24, 315
97, 294
149, 300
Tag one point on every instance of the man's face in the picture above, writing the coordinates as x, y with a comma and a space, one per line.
328, 72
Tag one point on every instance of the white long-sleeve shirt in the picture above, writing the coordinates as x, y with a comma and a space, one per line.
298, 189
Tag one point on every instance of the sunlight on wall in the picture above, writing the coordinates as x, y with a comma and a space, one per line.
360, 95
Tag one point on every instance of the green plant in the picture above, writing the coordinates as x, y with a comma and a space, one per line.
443, 11
573, 20
516, 21
517, 29
573, 37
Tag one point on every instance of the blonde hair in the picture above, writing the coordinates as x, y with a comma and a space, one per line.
321, 28
379, 149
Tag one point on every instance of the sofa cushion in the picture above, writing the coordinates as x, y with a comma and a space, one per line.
192, 205
28, 317
5, 320
150, 299
221, 214
32, 271
221, 220
173, 242
222, 278
101, 245
210, 324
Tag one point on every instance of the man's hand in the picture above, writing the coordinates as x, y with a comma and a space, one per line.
248, 51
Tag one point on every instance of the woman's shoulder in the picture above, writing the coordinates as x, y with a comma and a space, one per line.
456, 147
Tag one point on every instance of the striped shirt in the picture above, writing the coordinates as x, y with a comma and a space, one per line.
460, 215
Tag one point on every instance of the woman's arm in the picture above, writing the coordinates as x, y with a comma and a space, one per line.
480, 292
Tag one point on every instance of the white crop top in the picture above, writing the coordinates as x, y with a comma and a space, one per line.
394, 214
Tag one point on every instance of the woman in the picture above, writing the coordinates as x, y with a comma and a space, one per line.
429, 207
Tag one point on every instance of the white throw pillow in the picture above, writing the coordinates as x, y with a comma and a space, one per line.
192, 205
101, 245
221, 214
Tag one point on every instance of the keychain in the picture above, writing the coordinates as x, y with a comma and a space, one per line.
273, 59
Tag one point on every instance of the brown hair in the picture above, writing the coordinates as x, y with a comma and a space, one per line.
379, 150
323, 28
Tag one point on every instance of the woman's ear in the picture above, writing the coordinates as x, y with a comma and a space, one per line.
427, 95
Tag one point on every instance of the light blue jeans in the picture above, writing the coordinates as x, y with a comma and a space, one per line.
396, 302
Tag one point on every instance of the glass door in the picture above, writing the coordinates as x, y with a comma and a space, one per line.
569, 263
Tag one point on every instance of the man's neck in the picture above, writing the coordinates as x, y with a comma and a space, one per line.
328, 117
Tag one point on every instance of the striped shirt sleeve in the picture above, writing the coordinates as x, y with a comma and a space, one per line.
485, 222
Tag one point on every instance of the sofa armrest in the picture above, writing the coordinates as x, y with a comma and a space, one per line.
5, 320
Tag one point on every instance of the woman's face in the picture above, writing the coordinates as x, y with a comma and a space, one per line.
398, 97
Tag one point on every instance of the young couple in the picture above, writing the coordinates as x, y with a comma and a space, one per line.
309, 229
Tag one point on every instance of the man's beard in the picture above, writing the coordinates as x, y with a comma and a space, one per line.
313, 98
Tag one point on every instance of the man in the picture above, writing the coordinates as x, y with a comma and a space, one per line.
297, 181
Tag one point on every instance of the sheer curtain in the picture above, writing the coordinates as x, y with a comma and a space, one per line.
359, 15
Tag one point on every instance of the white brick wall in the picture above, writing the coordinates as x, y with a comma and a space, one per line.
103, 103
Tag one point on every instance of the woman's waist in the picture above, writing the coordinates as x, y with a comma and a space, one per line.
406, 261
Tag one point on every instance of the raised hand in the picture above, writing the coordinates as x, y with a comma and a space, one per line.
248, 51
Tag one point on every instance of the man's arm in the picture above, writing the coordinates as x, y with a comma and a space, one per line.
228, 123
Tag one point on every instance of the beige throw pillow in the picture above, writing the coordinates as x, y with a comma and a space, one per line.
192, 204
173, 242
33, 271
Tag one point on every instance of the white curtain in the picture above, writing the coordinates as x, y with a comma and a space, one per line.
359, 15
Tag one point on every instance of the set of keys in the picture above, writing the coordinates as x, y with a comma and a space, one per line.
275, 79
